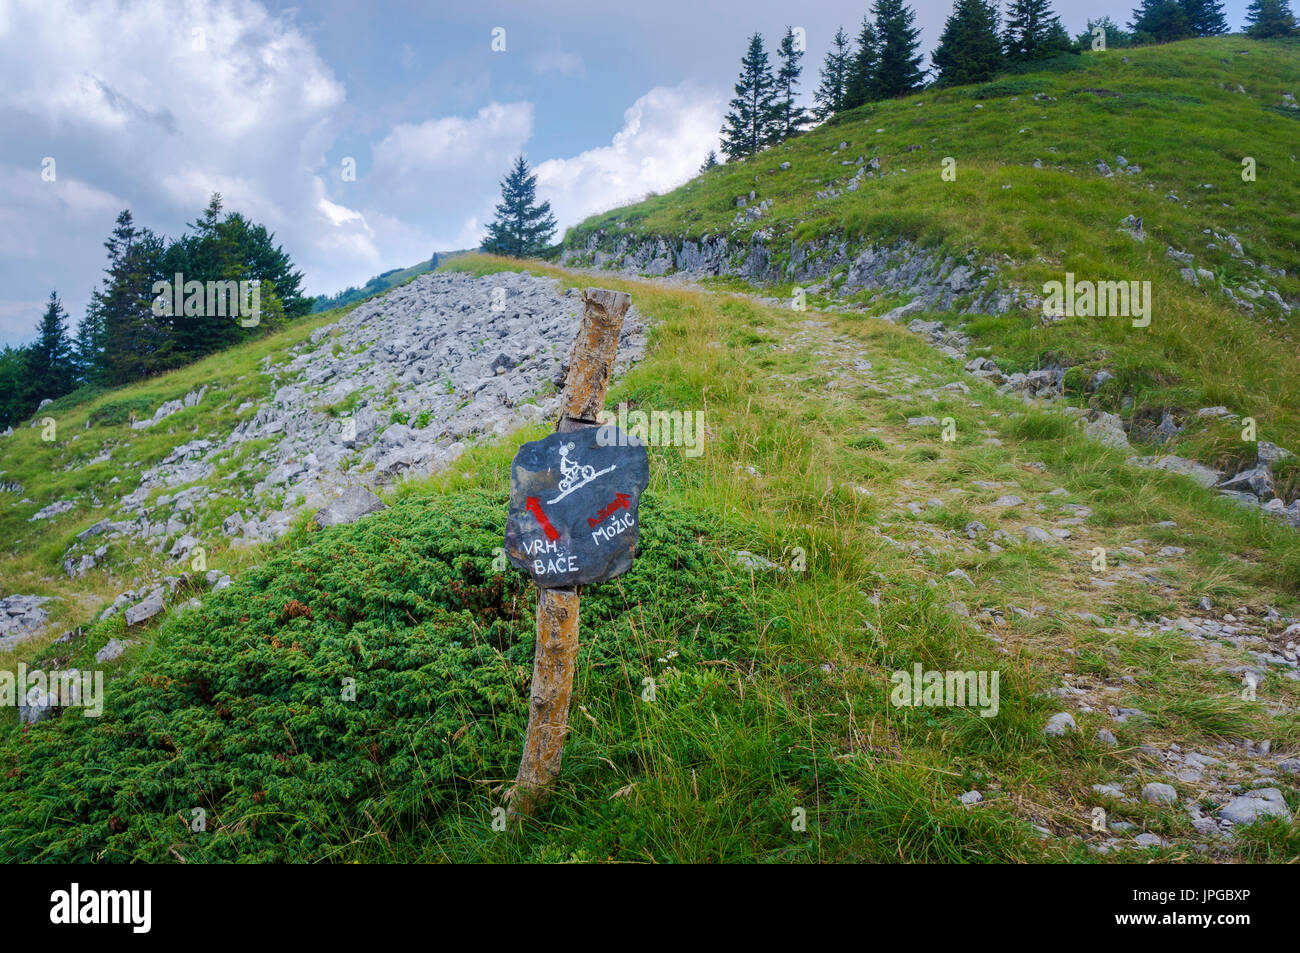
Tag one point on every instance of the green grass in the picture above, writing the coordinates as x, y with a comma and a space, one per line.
1164, 108
772, 736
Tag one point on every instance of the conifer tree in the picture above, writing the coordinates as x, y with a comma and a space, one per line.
753, 116
791, 117
859, 86
85, 346
16, 402
1205, 16
1270, 18
1160, 21
969, 49
829, 98
50, 366
898, 62
1116, 36
1032, 31
128, 345
709, 162
522, 227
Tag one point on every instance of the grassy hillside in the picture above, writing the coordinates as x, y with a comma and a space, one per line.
1187, 114
773, 692
898, 513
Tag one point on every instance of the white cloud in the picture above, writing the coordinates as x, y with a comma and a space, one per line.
492, 136
665, 135
163, 103
426, 177
213, 72
155, 104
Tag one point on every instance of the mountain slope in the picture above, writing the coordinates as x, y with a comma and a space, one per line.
827, 539
866, 513
123, 497
1052, 170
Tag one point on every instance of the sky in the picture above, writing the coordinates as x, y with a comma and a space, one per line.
365, 135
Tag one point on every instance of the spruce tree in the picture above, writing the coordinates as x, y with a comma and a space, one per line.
754, 112
1160, 21
898, 62
791, 117
1032, 31
859, 87
203, 255
829, 98
258, 258
522, 228
90, 332
128, 345
50, 360
1270, 18
969, 49
709, 162
1205, 16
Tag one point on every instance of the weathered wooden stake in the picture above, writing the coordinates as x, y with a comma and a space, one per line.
590, 364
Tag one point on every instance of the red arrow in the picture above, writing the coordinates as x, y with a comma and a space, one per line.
534, 506
621, 501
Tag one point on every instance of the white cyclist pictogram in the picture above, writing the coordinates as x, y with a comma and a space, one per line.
575, 475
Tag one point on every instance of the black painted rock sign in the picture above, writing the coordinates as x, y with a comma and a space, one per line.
573, 506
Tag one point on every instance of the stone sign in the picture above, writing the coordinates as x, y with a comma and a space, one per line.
573, 506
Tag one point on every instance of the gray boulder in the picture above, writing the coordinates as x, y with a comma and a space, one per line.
1270, 453
1181, 465
1255, 806
1258, 481
1106, 428
145, 609
1158, 793
112, 650
1060, 724
350, 507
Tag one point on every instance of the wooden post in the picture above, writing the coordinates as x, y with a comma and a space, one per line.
590, 364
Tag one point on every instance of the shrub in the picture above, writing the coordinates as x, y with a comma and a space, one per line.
241, 707
117, 412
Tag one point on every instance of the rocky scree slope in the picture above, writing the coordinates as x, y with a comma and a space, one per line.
399, 386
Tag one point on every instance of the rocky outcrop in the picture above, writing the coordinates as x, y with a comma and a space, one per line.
1252, 486
831, 266
401, 385
21, 618
350, 507
170, 407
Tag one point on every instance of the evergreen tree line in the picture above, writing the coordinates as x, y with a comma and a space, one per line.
977, 43
123, 337
1163, 21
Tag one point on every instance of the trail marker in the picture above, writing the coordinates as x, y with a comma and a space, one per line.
572, 521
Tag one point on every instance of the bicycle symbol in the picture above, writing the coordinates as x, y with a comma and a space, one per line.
575, 475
